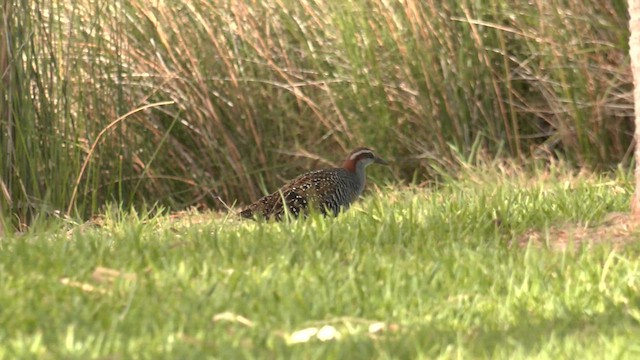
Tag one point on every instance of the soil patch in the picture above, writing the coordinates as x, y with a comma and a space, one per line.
618, 229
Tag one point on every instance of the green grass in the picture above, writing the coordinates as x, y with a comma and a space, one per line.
433, 265
286, 86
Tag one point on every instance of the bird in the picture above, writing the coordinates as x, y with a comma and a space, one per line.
328, 191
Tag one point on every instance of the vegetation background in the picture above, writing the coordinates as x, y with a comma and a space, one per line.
109, 106
236, 96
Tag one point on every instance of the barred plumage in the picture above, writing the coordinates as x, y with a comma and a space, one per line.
328, 191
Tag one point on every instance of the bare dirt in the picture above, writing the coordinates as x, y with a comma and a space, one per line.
619, 229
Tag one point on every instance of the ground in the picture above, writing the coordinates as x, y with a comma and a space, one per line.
617, 229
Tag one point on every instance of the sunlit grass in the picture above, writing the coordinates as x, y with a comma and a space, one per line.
406, 273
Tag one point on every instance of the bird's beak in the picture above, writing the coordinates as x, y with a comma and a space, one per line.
380, 161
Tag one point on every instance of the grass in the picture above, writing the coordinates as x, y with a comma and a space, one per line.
408, 273
287, 86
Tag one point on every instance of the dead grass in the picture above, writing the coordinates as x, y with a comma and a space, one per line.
262, 90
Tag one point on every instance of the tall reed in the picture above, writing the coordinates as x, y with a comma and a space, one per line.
255, 91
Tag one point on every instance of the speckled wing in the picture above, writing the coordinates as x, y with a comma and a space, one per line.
315, 189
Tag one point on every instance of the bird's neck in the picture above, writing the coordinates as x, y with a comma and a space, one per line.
360, 175
350, 165
357, 168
